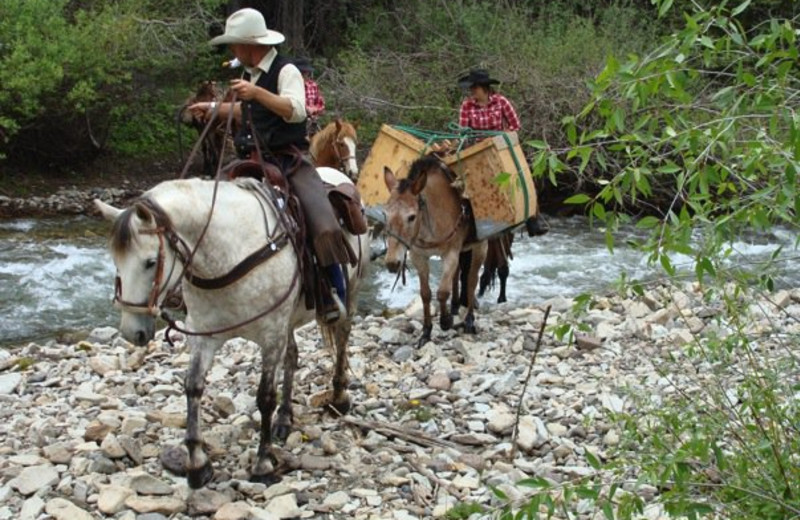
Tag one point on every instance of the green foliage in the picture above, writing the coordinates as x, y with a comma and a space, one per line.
702, 133
66, 65
403, 63
464, 510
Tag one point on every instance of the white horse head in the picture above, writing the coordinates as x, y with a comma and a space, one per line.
147, 268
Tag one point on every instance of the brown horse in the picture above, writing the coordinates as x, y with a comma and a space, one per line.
335, 146
427, 216
215, 140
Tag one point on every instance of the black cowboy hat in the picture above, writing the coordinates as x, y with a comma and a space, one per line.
303, 64
477, 77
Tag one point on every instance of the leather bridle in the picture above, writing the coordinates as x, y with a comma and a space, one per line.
151, 306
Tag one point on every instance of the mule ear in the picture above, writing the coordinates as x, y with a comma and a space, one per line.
419, 183
108, 211
389, 178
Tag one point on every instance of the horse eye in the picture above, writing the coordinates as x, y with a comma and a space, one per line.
411, 218
150, 263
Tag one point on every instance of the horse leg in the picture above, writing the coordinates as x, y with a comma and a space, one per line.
423, 272
338, 336
503, 268
198, 465
489, 266
478, 257
284, 419
460, 282
267, 401
451, 262
502, 273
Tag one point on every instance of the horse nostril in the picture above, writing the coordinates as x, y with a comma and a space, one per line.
393, 266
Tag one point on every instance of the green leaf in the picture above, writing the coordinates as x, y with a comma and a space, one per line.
498, 493
502, 179
740, 8
666, 264
648, 222
579, 198
593, 461
534, 482
664, 7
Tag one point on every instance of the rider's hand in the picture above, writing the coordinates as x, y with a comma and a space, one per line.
243, 89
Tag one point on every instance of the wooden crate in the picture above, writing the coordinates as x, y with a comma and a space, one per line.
497, 206
395, 149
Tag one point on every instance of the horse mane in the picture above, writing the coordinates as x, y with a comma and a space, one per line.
122, 231
423, 165
322, 137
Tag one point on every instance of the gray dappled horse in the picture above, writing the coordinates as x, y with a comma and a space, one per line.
204, 237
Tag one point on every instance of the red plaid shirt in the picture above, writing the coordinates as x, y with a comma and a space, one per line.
315, 103
498, 114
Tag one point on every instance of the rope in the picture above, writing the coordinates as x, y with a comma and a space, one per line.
464, 135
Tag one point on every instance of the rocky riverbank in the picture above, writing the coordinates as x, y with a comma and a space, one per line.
83, 426
66, 201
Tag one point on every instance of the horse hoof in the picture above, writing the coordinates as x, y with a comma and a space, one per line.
343, 406
446, 322
200, 477
173, 459
282, 431
470, 328
267, 479
422, 340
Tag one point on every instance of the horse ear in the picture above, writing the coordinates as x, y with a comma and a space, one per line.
355, 124
108, 211
389, 178
143, 213
338, 124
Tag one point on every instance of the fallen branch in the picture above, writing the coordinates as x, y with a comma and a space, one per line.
396, 431
513, 451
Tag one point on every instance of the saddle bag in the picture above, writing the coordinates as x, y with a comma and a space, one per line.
346, 202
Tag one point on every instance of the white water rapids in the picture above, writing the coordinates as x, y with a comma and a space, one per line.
56, 275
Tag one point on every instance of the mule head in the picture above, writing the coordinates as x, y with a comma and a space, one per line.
146, 268
402, 216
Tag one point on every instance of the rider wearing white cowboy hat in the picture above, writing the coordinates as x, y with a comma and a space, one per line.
272, 112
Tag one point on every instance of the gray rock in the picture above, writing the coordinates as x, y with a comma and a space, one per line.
34, 478
9, 382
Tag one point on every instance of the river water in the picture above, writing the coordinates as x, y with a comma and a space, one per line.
56, 275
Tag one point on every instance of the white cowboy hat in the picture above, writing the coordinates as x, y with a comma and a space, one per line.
247, 26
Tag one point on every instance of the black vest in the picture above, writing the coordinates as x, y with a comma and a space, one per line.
273, 131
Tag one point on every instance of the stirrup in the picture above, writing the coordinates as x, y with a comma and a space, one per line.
334, 311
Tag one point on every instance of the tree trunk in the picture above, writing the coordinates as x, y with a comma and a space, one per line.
291, 24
